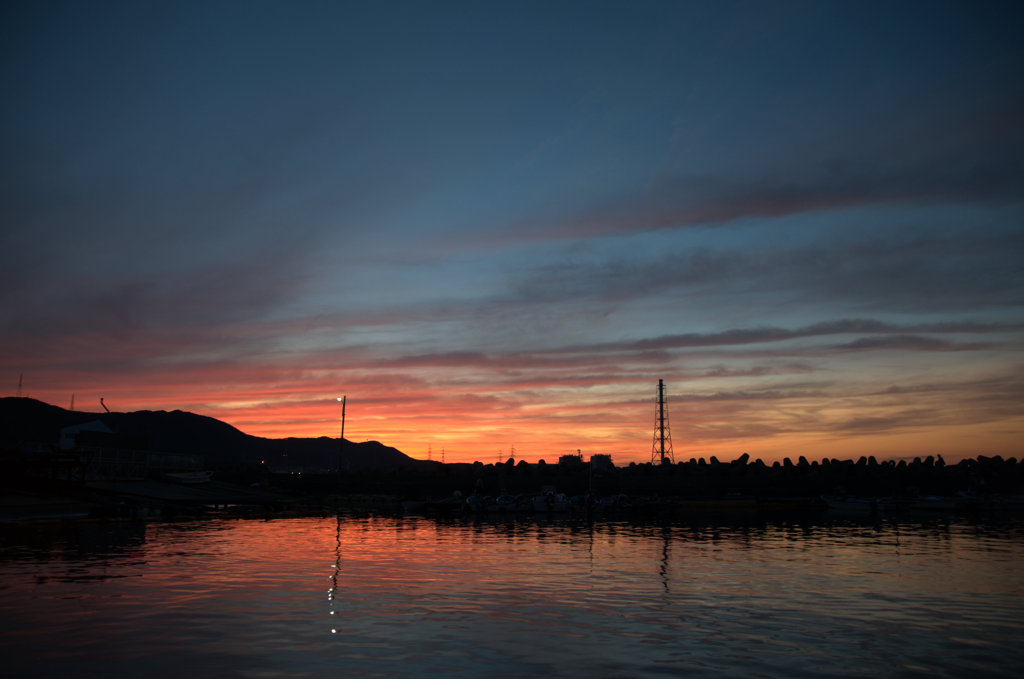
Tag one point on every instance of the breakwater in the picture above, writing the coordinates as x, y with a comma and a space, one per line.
980, 483
786, 483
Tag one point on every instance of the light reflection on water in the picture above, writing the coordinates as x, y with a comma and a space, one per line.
395, 597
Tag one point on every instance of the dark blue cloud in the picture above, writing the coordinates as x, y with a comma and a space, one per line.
553, 196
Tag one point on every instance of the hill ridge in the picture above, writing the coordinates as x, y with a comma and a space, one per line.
27, 422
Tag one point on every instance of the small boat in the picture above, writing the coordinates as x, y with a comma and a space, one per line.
936, 503
1008, 502
850, 504
413, 506
452, 503
188, 477
502, 503
551, 502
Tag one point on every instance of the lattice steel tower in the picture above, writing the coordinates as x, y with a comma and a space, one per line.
661, 450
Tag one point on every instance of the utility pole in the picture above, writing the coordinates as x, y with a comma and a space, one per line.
341, 442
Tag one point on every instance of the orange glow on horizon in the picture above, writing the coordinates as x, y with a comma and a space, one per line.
476, 429
479, 409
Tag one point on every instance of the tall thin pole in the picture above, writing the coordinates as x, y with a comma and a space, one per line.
341, 442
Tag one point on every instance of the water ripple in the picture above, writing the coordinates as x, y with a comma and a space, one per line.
408, 596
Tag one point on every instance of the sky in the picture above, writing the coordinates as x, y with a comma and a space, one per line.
493, 227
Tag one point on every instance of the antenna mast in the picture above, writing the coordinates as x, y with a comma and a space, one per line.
662, 447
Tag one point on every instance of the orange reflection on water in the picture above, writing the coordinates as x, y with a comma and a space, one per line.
303, 595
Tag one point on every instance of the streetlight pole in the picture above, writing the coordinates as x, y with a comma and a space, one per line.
341, 442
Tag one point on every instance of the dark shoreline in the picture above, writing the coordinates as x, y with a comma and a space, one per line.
982, 484
57, 461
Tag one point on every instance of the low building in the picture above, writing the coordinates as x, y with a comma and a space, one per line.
571, 460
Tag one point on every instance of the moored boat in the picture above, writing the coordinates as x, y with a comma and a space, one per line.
188, 477
850, 504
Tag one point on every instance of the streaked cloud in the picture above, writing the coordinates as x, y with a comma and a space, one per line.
489, 230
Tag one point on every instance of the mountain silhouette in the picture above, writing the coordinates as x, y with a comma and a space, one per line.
27, 424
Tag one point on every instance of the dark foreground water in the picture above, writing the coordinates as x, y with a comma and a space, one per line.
411, 597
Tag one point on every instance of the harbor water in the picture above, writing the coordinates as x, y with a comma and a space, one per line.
411, 596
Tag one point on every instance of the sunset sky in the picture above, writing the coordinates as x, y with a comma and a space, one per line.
499, 224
